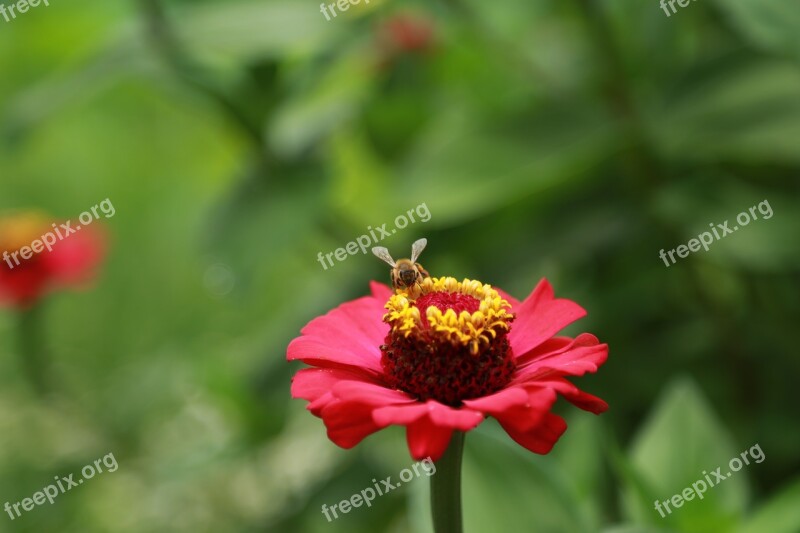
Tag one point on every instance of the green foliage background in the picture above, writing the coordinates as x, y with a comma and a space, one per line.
563, 139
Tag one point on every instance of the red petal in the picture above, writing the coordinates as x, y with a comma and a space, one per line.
574, 395
556, 346
542, 437
369, 393
316, 406
426, 439
71, 261
74, 259
313, 351
550, 346
348, 423
507, 297
362, 317
348, 411
499, 401
311, 383
540, 317
349, 335
22, 286
574, 361
318, 384
438, 414
380, 292
515, 411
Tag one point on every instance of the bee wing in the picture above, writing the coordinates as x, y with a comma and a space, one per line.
417, 248
382, 253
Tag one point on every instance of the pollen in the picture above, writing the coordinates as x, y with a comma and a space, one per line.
447, 340
463, 313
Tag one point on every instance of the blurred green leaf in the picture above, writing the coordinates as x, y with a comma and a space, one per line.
632, 528
40, 101
533, 491
323, 104
229, 33
749, 112
678, 445
780, 514
700, 202
470, 169
578, 453
771, 24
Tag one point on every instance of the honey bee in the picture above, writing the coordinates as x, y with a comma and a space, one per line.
405, 272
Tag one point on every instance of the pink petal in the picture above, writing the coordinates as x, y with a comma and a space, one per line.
574, 395
550, 346
318, 384
74, 259
573, 362
499, 401
348, 423
316, 406
507, 297
540, 317
348, 410
439, 414
311, 383
520, 412
371, 394
426, 439
542, 437
315, 352
361, 318
380, 292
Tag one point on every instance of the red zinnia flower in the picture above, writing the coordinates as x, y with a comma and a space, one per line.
70, 261
445, 356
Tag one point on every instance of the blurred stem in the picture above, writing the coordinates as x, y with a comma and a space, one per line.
446, 488
168, 46
31, 349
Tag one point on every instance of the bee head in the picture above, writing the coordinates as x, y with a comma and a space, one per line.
408, 277
407, 272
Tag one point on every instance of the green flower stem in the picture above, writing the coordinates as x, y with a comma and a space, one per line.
446, 488
33, 357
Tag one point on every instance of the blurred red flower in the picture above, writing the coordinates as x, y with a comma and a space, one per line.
406, 33
70, 261
448, 358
